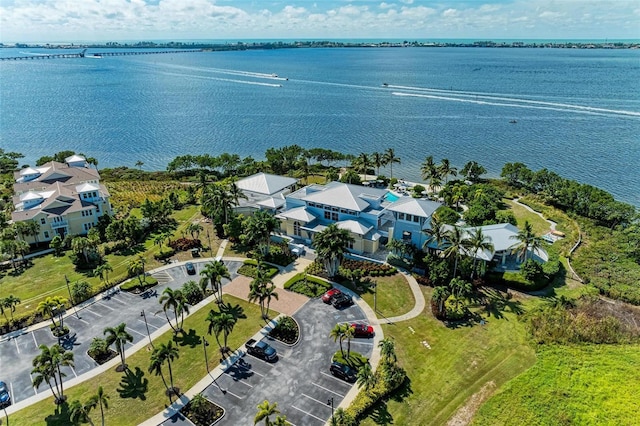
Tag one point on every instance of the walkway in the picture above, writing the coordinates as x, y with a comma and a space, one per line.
417, 308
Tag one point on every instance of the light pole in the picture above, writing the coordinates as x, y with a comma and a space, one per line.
375, 298
330, 402
209, 241
73, 305
206, 359
142, 314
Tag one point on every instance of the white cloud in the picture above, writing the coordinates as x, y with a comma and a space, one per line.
79, 20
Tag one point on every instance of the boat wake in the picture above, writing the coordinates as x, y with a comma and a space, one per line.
230, 80
483, 98
229, 72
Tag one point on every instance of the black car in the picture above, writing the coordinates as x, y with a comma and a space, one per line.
5, 398
191, 270
343, 371
341, 300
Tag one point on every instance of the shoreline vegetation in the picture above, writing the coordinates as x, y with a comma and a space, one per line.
260, 45
501, 340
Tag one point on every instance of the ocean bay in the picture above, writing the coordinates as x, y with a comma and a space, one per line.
577, 112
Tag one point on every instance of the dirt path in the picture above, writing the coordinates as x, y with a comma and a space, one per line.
465, 414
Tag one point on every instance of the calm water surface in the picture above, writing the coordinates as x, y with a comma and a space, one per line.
577, 111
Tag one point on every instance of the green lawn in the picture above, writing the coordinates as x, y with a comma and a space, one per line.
45, 277
146, 393
394, 296
460, 362
582, 385
540, 226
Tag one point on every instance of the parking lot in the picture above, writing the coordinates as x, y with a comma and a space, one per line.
17, 353
299, 381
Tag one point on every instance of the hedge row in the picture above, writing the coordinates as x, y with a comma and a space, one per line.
250, 269
307, 285
134, 284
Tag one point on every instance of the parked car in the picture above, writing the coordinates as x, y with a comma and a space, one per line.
341, 300
191, 269
261, 350
362, 330
5, 398
343, 371
328, 296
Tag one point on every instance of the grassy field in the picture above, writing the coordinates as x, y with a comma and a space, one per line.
45, 277
540, 226
394, 296
457, 363
143, 396
582, 385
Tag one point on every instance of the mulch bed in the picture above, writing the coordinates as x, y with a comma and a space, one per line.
208, 415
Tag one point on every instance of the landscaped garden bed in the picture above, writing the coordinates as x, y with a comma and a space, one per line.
307, 285
250, 269
286, 331
136, 287
369, 269
202, 412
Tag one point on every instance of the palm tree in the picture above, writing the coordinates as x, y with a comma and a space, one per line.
47, 365
456, 244
155, 367
161, 354
478, 243
198, 404
51, 306
258, 229
269, 293
438, 299
79, 413
118, 336
461, 289
390, 158
527, 241
221, 323
102, 400
430, 172
265, 409
363, 161
212, 273
194, 229
217, 202
139, 164
349, 333
102, 271
261, 289
337, 332
365, 378
174, 299
387, 350
435, 233
136, 267
378, 160
446, 169
281, 421
160, 239
331, 244
10, 302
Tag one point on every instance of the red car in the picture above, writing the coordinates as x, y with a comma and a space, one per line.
326, 298
362, 330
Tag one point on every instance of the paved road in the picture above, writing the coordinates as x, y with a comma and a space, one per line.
299, 381
16, 354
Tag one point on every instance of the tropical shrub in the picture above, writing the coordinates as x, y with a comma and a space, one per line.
135, 286
250, 269
286, 330
368, 268
308, 285
185, 244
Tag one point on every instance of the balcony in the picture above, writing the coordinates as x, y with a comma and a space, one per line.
59, 224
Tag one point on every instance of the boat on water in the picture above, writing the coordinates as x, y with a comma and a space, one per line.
385, 84
513, 121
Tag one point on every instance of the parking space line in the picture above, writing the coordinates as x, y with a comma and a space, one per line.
11, 387
74, 371
34, 339
17, 347
335, 378
33, 387
93, 313
265, 362
248, 369
149, 324
119, 301
233, 394
361, 342
309, 414
238, 381
313, 399
328, 390
137, 332
86, 322
103, 305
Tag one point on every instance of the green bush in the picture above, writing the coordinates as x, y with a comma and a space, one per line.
308, 285
250, 269
286, 330
355, 359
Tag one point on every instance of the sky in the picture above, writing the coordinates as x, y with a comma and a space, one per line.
59, 21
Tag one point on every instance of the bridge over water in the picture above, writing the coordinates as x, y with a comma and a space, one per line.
95, 55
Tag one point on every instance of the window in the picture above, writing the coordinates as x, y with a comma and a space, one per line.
406, 236
43, 221
401, 216
97, 208
95, 194
350, 245
416, 219
334, 216
296, 229
327, 215
46, 234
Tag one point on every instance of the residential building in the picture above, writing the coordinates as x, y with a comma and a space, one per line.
367, 213
62, 198
264, 192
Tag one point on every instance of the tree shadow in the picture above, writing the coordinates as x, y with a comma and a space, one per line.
133, 385
240, 372
496, 303
190, 339
68, 342
470, 320
61, 416
380, 414
130, 251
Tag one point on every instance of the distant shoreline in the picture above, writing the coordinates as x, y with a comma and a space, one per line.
256, 45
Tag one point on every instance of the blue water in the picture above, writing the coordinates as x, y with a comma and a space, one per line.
391, 197
577, 111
